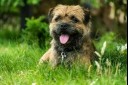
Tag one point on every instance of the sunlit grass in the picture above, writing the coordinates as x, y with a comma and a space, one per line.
19, 66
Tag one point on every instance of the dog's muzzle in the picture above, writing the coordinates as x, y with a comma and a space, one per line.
63, 30
65, 33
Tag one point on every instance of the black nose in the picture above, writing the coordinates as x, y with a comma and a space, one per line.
64, 25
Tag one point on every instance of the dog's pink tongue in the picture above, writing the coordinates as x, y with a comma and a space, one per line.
64, 38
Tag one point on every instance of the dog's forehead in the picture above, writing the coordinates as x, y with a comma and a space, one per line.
69, 10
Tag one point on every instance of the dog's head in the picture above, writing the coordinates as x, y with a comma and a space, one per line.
69, 23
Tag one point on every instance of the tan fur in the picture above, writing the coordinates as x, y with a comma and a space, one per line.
86, 53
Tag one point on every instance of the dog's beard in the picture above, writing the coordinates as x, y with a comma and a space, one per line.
65, 37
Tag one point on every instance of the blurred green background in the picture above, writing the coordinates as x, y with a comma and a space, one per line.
107, 15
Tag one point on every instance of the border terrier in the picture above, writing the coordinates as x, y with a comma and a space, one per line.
70, 31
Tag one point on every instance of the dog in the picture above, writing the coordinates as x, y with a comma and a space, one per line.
70, 29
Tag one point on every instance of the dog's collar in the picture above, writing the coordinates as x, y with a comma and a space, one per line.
63, 51
63, 55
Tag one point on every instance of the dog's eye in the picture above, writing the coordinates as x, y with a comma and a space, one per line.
74, 19
57, 18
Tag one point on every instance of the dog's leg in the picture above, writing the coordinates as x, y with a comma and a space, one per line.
53, 59
45, 57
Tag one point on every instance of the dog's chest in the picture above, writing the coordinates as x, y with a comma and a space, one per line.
69, 57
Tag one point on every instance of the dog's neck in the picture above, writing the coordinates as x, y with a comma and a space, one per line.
67, 48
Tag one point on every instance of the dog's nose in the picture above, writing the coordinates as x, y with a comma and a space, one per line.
64, 25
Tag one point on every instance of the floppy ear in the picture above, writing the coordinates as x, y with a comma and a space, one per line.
50, 14
87, 16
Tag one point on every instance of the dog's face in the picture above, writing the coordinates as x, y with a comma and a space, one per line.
68, 24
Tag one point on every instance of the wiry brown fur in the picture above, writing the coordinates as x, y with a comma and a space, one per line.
86, 52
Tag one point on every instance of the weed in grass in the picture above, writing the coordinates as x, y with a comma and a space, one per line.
100, 55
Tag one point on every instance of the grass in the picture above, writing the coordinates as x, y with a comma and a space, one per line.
19, 66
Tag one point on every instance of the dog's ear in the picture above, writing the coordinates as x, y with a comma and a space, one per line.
87, 15
50, 14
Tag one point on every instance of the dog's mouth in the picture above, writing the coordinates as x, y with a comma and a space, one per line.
67, 36
64, 38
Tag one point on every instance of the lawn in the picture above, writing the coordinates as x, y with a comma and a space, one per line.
19, 66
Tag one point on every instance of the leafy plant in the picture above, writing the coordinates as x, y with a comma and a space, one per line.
12, 5
36, 31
